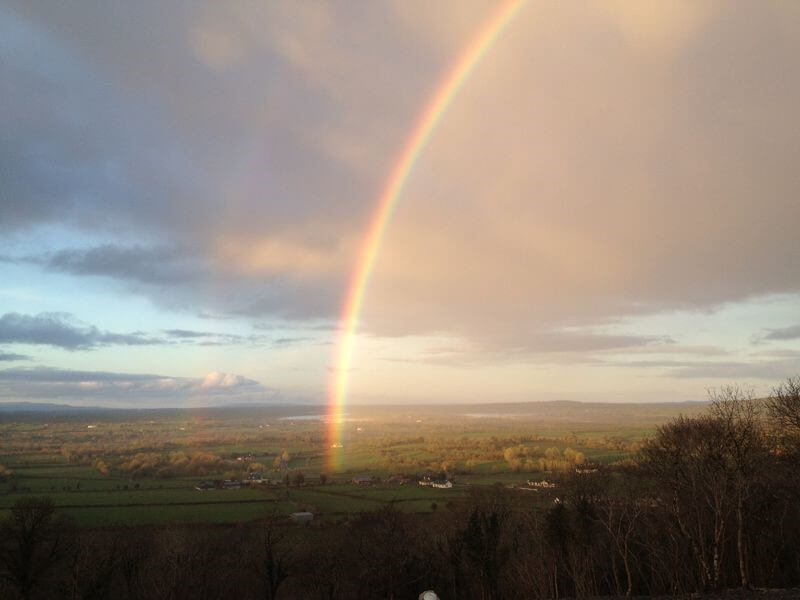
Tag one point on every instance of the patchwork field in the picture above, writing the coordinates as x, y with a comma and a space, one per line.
132, 467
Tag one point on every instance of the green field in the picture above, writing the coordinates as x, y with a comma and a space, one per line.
135, 469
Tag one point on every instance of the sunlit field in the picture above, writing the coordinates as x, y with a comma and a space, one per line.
127, 467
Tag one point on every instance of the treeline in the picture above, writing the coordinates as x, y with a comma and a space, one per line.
462, 454
181, 464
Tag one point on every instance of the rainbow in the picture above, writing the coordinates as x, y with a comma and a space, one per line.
443, 96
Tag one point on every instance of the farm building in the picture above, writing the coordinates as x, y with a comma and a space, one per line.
544, 484
437, 483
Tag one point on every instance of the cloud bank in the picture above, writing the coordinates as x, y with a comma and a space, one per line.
603, 163
129, 389
58, 329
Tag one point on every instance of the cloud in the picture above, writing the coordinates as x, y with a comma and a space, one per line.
286, 341
186, 333
544, 346
783, 333
723, 370
216, 381
10, 356
63, 331
601, 162
600, 185
58, 329
152, 265
133, 389
175, 277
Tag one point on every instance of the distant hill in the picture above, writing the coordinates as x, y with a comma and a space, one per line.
43, 406
552, 413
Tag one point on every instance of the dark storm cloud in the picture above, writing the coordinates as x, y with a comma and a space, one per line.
58, 329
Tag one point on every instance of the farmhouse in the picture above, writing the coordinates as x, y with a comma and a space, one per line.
437, 483
542, 485
362, 480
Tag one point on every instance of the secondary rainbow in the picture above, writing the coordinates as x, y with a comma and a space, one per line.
359, 279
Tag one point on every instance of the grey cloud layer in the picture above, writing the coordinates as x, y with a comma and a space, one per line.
57, 329
557, 346
593, 167
132, 389
62, 331
202, 128
614, 178
783, 333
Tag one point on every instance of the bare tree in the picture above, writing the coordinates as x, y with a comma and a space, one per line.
32, 541
688, 457
619, 514
747, 453
784, 405
270, 560
92, 561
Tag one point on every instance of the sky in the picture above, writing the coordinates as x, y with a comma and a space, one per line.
607, 211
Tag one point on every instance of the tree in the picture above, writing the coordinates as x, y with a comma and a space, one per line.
299, 478
552, 453
389, 561
92, 561
619, 513
689, 458
31, 543
271, 559
784, 405
5, 473
747, 451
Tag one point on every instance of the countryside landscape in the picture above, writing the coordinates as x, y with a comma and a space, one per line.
547, 500
399, 300
150, 463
